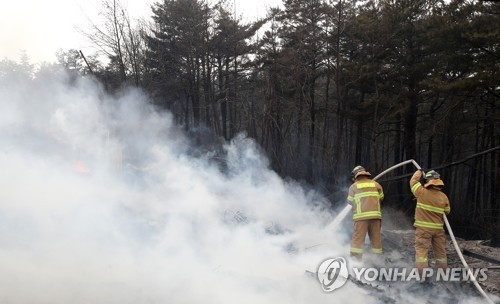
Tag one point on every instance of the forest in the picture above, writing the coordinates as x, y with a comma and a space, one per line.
325, 85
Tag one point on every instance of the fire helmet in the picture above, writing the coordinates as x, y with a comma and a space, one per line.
358, 171
432, 178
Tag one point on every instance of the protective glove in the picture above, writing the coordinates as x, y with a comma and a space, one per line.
422, 179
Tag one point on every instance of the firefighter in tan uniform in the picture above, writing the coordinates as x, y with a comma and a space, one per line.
432, 203
365, 196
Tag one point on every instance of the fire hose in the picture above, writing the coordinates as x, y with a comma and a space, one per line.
347, 208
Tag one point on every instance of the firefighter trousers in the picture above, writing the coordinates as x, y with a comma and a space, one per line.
361, 227
424, 238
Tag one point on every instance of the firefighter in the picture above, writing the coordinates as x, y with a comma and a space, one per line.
365, 196
432, 203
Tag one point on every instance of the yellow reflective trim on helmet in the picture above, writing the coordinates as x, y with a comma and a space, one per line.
430, 208
357, 168
423, 224
365, 185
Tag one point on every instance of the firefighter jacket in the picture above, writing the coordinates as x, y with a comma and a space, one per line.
431, 204
365, 196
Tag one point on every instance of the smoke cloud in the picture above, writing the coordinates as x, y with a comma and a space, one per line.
102, 201
105, 200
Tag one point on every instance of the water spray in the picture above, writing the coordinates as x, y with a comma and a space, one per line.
345, 211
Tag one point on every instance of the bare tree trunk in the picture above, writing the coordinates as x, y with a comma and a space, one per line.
196, 93
312, 132
117, 31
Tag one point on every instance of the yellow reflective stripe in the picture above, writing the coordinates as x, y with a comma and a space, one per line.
365, 185
358, 205
350, 198
447, 209
428, 225
381, 196
358, 197
367, 214
442, 260
430, 208
415, 187
420, 259
366, 194
376, 250
356, 250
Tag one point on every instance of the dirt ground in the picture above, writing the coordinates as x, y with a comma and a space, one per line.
404, 240
492, 284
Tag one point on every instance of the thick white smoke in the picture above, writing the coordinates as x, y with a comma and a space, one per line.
103, 202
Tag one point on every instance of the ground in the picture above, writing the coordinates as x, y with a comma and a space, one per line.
404, 240
492, 284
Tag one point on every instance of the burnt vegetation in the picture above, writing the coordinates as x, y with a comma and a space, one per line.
323, 86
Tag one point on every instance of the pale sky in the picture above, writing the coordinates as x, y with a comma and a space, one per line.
42, 27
